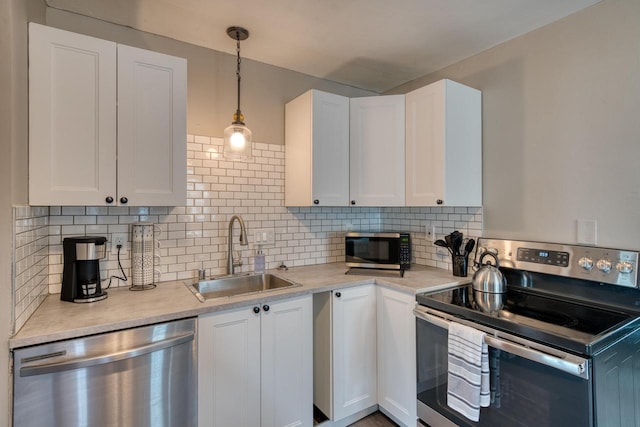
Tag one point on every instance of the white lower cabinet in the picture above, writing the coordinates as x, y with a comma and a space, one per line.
255, 365
397, 355
345, 367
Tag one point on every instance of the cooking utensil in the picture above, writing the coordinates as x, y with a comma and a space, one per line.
443, 244
448, 239
469, 247
457, 243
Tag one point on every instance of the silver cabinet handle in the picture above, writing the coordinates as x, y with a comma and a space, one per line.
535, 352
85, 362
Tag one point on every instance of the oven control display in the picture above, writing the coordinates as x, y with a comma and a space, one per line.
557, 258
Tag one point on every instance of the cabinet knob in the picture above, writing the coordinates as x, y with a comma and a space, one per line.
109, 199
338, 294
316, 202
123, 200
353, 202
256, 309
439, 201
265, 307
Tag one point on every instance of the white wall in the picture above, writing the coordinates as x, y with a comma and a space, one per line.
561, 127
212, 98
6, 225
13, 145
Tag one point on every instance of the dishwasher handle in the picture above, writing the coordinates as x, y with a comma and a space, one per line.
85, 362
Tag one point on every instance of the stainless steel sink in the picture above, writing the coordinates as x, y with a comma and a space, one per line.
229, 286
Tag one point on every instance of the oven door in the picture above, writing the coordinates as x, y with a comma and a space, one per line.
531, 384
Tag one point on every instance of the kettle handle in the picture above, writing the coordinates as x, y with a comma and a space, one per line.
492, 255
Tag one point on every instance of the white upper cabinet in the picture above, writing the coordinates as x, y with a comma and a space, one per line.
107, 122
444, 145
317, 150
72, 118
152, 127
377, 153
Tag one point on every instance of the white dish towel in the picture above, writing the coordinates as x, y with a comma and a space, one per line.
468, 378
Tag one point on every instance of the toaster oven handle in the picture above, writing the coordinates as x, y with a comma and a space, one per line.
530, 350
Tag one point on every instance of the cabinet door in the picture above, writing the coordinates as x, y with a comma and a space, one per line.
397, 355
444, 145
287, 363
72, 118
229, 369
425, 159
354, 351
152, 135
317, 150
377, 151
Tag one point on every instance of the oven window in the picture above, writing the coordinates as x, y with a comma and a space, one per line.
374, 250
524, 393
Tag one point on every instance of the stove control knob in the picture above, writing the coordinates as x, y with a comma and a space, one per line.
604, 265
586, 263
624, 267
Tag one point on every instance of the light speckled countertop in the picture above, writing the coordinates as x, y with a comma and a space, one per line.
57, 320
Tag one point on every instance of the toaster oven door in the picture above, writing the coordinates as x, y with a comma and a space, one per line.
373, 250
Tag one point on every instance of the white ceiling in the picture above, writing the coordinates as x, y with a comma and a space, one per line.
369, 44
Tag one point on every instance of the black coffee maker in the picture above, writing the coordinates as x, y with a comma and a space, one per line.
81, 274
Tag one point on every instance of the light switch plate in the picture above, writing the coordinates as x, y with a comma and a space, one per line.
264, 236
587, 231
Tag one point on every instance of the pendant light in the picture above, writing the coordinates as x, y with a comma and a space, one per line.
237, 136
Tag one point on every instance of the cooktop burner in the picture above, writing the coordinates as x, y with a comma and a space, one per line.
573, 326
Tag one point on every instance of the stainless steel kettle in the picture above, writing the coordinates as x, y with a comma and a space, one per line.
489, 286
489, 278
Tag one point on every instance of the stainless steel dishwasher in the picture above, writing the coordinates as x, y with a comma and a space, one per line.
138, 377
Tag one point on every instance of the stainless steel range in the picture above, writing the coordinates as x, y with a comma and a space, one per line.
564, 347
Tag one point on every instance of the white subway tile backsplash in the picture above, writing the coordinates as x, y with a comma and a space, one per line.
194, 236
31, 261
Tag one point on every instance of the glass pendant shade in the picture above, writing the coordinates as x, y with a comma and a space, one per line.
237, 136
237, 142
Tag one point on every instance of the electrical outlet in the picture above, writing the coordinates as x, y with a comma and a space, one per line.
119, 239
432, 233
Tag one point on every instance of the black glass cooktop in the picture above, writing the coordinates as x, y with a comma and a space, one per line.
573, 326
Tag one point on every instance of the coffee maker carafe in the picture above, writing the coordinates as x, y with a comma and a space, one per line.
81, 274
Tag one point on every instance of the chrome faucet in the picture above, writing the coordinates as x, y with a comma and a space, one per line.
231, 263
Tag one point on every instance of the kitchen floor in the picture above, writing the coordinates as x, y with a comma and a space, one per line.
377, 419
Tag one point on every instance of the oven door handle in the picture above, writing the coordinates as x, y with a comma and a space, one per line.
535, 352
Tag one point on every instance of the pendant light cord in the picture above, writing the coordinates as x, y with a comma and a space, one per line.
238, 113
